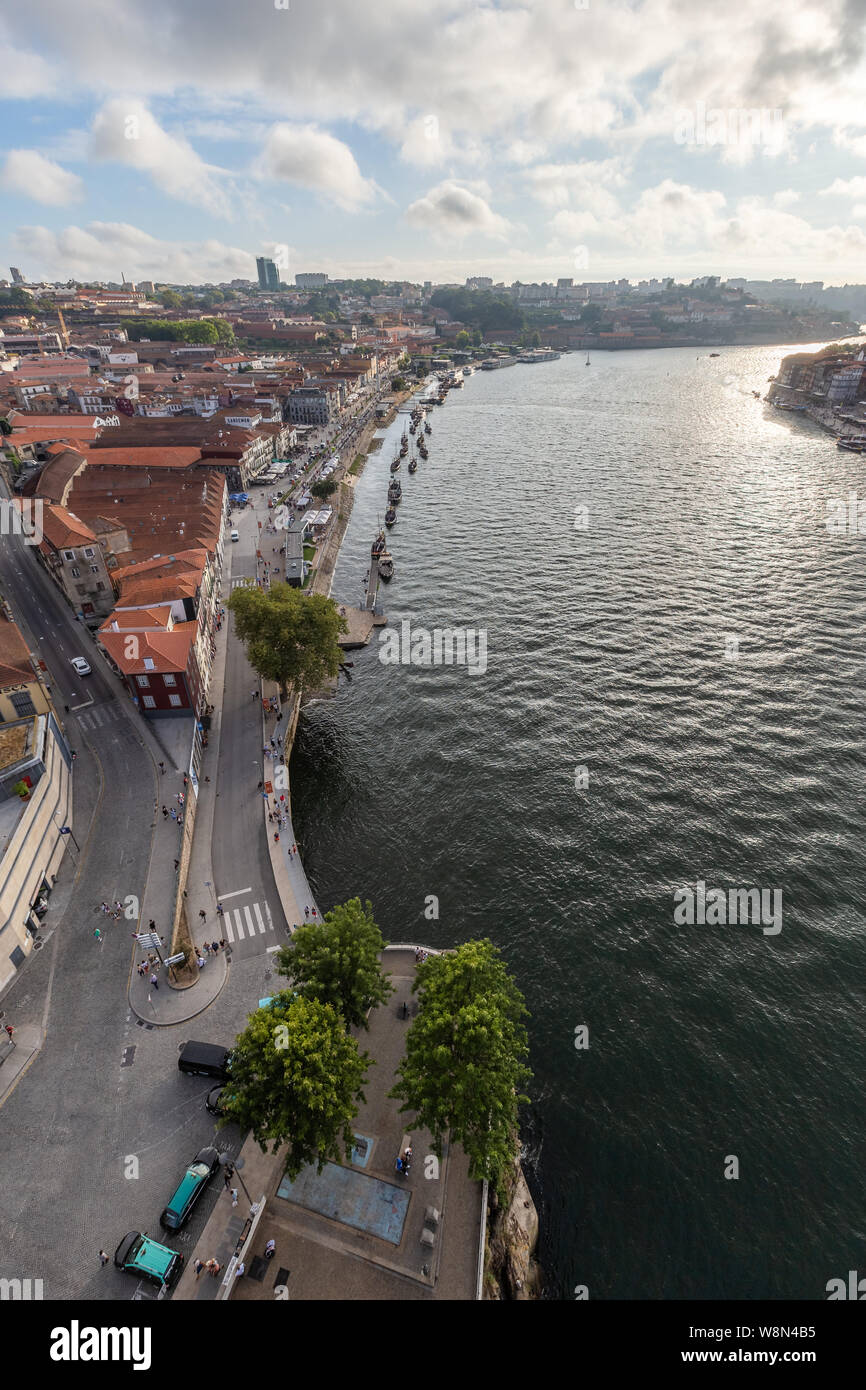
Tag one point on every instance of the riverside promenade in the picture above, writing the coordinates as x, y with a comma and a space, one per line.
357, 1230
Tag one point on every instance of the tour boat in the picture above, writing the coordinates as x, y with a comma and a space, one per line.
390, 518
428, 429
386, 566
395, 465
378, 545
413, 465
395, 491
424, 451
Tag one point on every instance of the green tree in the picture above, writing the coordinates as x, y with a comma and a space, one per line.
462, 340
324, 488
398, 383
296, 1079
225, 332
170, 299
336, 961
535, 339
464, 1066
289, 637
21, 299
477, 337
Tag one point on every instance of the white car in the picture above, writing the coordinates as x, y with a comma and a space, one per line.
235, 536
80, 666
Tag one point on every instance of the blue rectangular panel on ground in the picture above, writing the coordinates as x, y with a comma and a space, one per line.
353, 1198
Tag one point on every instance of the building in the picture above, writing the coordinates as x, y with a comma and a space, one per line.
35, 805
17, 277
21, 690
311, 280
74, 558
269, 276
310, 405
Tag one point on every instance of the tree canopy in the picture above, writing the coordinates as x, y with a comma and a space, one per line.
323, 488
205, 331
486, 310
296, 1079
464, 1065
289, 637
336, 961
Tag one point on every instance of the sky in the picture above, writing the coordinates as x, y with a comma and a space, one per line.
523, 139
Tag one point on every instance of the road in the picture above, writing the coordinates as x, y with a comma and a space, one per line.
98, 1130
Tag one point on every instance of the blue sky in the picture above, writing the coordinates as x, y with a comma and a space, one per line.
522, 140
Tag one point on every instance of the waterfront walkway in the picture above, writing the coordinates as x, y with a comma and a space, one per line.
355, 1231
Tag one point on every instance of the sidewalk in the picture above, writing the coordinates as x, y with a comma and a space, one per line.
169, 1004
28, 1042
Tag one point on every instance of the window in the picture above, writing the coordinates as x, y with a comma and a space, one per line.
69, 555
169, 680
174, 700
94, 569
143, 681
148, 663
148, 702
76, 573
88, 552
23, 703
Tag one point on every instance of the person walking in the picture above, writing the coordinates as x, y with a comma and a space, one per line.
215, 947
97, 933
222, 944
165, 813
220, 909
200, 962
206, 947
173, 813
9, 1029
199, 1267
154, 981
103, 1259
270, 1249
202, 914
234, 1193
161, 768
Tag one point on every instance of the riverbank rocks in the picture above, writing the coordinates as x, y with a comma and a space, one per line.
511, 1273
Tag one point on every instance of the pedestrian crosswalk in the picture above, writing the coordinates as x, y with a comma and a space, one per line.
242, 581
241, 923
98, 715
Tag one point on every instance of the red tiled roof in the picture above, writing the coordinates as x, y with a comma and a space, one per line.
15, 668
167, 651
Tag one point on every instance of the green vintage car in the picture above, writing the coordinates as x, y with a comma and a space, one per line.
179, 1208
147, 1259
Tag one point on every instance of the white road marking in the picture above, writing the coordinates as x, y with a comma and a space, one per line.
257, 911
239, 926
239, 892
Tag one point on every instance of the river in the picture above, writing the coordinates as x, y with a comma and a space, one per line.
694, 640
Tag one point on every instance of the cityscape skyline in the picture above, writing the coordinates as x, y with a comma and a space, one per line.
516, 140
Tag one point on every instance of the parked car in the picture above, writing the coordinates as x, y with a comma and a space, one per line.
80, 666
205, 1059
179, 1207
145, 1258
214, 1100
235, 536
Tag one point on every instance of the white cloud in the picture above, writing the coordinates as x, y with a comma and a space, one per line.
124, 131
85, 252
456, 209
313, 159
846, 188
29, 173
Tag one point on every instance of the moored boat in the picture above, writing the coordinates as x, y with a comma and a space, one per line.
396, 464
395, 491
423, 451
390, 518
428, 428
386, 566
378, 545
413, 465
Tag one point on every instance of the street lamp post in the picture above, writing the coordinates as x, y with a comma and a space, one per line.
233, 1170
